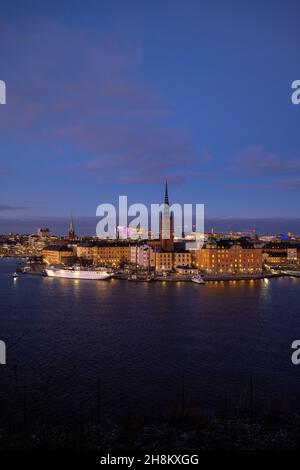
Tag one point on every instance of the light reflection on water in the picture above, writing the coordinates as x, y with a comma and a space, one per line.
139, 339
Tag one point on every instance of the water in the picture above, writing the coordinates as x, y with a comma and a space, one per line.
140, 340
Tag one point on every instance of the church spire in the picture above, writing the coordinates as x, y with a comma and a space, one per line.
71, 230
166, 194
166, 230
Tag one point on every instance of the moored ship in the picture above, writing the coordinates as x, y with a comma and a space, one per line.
77, 272
292, 272
198, 279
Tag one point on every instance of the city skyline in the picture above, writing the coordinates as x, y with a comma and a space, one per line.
94, 110
86, 226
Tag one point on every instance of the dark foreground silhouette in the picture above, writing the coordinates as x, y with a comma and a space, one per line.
274, 431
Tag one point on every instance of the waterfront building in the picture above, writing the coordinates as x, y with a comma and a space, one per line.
143, 256
111, 253
147, 257
281, 253
182, 258
84, 251
58, 254
186, 270
275, 259
228, 257
164, 261
292, 255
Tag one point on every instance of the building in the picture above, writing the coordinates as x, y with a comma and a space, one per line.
71, 230
131, 233
186, 270
58, 254
84, 251
147, 257
43, 232
275, 259
182, 258
229, 257
160, 254
163, 261
37, 243
111, 253
166, 226
280, 253
143, 256
292, 255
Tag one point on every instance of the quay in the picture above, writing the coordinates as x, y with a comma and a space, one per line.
39, 270
241, 277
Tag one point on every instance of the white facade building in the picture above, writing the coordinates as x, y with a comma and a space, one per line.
143, 256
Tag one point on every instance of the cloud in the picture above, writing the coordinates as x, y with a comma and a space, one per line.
288, 185
83, 91
153, 179
7, 207
5, 172
240, 186
141, 154
257, 161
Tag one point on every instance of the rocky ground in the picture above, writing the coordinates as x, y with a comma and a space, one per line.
264, 432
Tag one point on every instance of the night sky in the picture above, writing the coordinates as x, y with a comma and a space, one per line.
113, 97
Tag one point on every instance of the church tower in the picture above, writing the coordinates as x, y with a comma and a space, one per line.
71, 230
166, 230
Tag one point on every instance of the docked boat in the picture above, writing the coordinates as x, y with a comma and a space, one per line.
198, 279
293, 272
134, 277
77, 272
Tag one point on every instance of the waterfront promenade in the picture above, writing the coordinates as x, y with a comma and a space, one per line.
38, 269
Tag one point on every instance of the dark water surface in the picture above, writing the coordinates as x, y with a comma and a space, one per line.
140, 340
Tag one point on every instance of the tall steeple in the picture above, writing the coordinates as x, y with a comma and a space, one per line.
71, 230
166, 194
166, 225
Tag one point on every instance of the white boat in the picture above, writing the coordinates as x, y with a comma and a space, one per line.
198, 279
295, 273
77, 272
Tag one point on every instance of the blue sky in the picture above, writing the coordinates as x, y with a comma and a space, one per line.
113, 97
